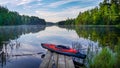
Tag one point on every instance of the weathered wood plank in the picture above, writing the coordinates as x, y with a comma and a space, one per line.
51, 62
55, 59
61, 61
68, 62
46, 60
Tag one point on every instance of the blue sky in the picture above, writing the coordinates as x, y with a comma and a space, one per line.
50, 10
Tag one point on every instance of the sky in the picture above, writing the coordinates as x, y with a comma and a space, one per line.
50, 10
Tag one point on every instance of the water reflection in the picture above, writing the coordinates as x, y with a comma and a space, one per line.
11, 56
9, 44
105, 35
19, 45
14, 32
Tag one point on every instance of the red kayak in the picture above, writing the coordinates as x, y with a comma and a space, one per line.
63, 50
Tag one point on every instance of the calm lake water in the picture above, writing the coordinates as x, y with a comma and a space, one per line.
20, 45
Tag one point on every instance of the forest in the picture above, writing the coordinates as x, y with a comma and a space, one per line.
107, 13
14, 18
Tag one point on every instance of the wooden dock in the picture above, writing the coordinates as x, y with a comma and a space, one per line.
54, 60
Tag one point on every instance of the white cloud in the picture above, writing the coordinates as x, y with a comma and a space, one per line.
16, 2
22, 2
39, 4
61, 2
71, 12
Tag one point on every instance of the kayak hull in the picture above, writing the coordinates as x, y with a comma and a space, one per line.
68, 52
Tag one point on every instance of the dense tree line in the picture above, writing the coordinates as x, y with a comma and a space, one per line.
13, 18
67, 22
107, 13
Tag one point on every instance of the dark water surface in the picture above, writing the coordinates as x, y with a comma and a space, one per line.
19, 45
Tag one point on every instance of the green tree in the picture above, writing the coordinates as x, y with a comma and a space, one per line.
108, 13
13, 18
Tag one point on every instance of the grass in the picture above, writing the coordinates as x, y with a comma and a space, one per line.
117, 49
105, 59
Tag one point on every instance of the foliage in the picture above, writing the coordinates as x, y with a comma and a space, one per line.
117, 49
13, 18
105, 59
108, 13
67, 22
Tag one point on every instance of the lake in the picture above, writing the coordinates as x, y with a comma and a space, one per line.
20, 46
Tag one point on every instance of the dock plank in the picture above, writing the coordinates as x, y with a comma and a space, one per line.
55, 58
61, 61
69, 62
46, 60
50, 63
